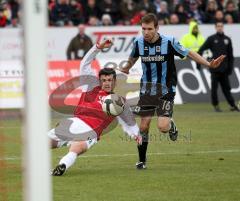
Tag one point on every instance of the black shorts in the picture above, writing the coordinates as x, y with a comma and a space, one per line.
151, 105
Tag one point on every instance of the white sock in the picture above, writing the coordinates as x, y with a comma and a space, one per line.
69, 159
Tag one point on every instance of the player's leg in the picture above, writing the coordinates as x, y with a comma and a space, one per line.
166, 124
164, 112
76, 148
74, 129
226, 89
214, 96
142, 149
145, 109
55, 141
59, 140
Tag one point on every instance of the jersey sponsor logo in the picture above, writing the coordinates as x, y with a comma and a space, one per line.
153, 58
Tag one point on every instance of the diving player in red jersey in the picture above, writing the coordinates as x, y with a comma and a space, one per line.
84, 130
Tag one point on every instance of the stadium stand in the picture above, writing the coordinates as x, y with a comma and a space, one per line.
127, 12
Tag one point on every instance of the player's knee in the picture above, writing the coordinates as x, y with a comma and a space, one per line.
163, 127
78, 147
54, 144
53, 139
144, 128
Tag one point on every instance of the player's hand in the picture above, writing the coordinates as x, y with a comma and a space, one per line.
138, 139
105, 44
216, 62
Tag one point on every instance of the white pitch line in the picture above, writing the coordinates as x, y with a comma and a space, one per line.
7, 127
162, 153
10, 158
151, 154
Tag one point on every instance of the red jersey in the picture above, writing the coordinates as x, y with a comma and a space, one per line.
90, 111
89, 108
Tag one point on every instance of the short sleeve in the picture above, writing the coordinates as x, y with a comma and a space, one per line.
179, 50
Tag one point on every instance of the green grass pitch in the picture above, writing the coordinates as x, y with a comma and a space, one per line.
203, 165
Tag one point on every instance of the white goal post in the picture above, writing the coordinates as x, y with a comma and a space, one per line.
36, 154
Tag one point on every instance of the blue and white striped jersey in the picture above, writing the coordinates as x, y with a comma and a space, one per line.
159, 71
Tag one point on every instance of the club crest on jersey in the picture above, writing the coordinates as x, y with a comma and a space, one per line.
100, 99
158, 49
145, 48
226, 41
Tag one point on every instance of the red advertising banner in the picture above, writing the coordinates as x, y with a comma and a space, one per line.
61, 76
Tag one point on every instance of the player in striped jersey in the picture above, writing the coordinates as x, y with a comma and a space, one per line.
159, 79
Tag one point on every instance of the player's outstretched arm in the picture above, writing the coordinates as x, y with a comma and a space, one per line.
129, 125
88, 78
134, 55
216, 62
199, 59
85, 68
131, 61
105, 44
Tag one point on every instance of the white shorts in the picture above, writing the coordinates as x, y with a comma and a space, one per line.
74, 128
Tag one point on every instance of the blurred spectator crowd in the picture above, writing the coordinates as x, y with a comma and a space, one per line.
126, 12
